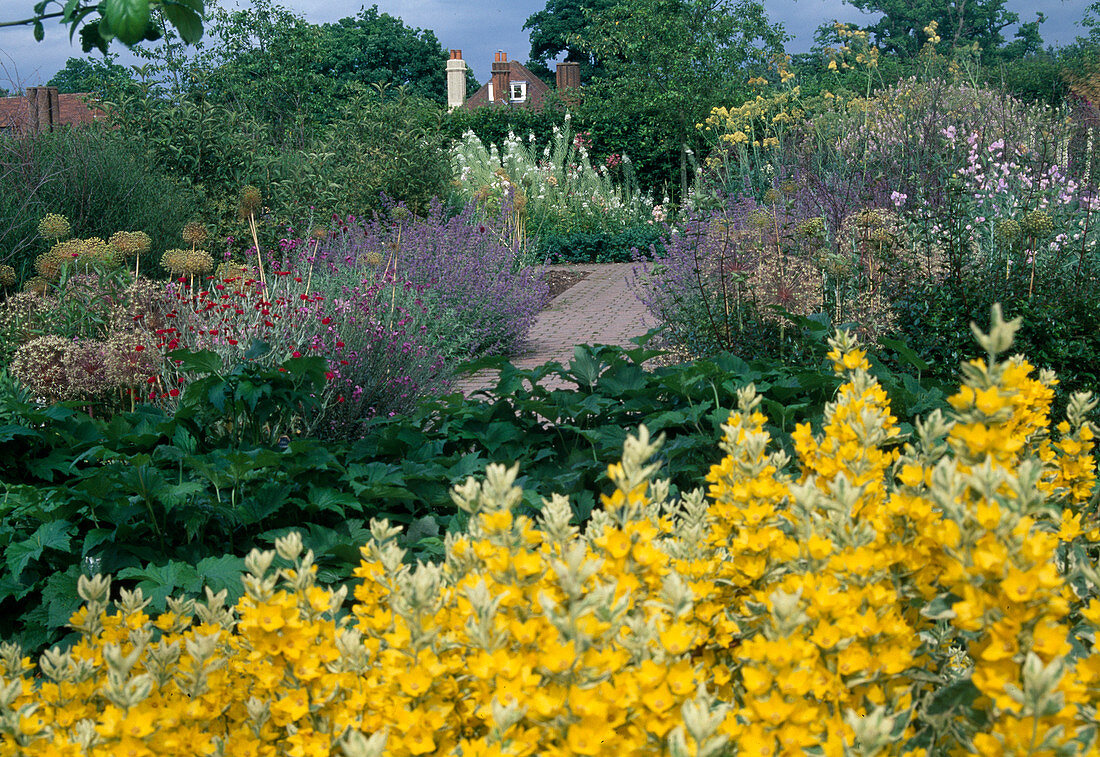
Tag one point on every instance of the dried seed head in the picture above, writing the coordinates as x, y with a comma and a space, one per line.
198, 262
40, 366
50, 264
249, 202
131, 358
175, 261
129, 244
7, 276
195, 233
373, 258
1007, 230
812, 227
95, 250
26, 314
36, 285
54, 226
86, 372
1038, 222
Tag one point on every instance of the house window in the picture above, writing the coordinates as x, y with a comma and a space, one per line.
519, 91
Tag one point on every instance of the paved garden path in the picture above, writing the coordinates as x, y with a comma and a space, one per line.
600, 309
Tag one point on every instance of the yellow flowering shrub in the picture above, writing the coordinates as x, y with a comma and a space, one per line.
922, 594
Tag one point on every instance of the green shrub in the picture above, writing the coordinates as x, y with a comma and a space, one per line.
99, 178
607, 247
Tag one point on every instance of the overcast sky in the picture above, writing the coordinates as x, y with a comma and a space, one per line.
477, 28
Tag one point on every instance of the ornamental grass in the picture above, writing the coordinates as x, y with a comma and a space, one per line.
930, 594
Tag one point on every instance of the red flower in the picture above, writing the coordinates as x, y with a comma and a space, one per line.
151, 380
330, 375
339, 344
326, 321
139, 347
296, 354
173, 392
233, 342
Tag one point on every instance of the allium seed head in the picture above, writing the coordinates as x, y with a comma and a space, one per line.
198, 262
36, 286
1007, 230
7, 276
85, 370
129, 244
131, 358
39, 365
195, 233
95, 250
250, 201
1038, 222
54, 226
175, 261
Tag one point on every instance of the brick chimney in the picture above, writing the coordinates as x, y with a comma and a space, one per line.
568, 75
502, 79
456, 80
45, 108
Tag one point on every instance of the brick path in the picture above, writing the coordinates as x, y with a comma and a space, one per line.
600, 309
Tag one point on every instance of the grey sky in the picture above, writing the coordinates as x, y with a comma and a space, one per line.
477, 28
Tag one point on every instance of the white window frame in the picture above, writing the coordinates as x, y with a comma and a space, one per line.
521, 87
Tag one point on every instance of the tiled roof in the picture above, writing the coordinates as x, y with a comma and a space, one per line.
536, 89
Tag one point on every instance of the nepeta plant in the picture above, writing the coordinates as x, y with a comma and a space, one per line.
464, 272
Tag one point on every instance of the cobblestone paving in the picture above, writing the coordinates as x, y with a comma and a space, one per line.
600, 309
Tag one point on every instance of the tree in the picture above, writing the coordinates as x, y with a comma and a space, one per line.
377, 48
960, 23
292, 74
92, 75
1091, 21
666, 63
561, 28
100, 22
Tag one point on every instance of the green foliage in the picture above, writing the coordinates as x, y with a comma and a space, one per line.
560, 27
266, 64
94, 75
100, 22
900, 31
493, 125
375, 47
666, 63
1061, 325
165, 500
385, 142
247, 404
587, 247
98, 178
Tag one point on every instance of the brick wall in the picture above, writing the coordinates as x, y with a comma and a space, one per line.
16, 114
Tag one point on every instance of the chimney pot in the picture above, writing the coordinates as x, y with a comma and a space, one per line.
502, 78
456, 80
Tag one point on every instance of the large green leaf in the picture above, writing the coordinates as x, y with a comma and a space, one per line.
52, 535
162, 581
128, 19
186, 18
